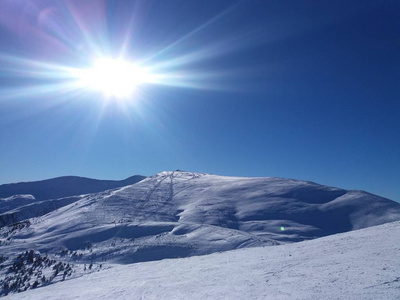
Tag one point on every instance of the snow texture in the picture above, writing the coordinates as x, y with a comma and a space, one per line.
64, 187
361, 264
174, 215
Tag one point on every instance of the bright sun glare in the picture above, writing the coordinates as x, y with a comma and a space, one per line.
111, 73
114, 77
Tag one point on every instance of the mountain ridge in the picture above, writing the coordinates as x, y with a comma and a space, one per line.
63, 186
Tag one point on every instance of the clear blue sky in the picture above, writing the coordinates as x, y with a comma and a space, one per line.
297, 89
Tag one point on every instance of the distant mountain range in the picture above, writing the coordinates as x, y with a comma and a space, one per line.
64, 187
172, 214
24, 200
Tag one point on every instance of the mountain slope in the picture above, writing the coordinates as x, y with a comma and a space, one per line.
178, 214
26, 200
362, 264
63, 187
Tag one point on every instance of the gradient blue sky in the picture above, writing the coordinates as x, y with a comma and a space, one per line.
297, 89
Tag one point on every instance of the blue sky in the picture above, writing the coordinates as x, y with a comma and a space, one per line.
296, 89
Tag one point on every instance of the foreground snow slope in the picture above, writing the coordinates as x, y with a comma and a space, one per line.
363, 264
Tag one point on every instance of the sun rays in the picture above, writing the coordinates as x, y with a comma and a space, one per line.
72, 60
91, 60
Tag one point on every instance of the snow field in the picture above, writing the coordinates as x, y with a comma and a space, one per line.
362, 264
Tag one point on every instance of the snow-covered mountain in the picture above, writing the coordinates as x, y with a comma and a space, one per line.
176, 214
26, 200
65, 186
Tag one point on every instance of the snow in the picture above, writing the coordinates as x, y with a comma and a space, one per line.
64, 187
184, 214
173, 215
361, 264
15, 213
9, 203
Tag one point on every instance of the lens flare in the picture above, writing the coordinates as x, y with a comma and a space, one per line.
71, 62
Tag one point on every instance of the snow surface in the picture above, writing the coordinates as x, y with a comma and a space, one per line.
174, 215
363, 264
178, 214
9, 203
65, 186
26, 200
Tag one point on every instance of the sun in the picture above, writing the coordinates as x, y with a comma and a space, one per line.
116, 78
